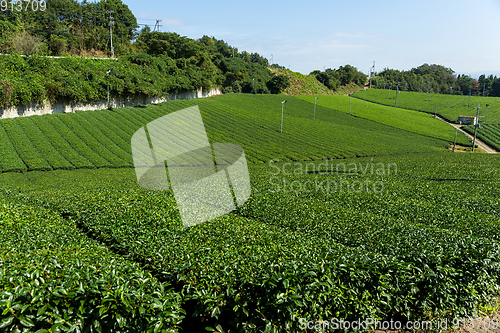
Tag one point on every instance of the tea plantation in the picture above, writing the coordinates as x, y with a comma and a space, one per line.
489, 134
102, 138
448, 107
413, 234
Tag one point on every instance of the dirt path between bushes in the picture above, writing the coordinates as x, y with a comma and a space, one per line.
479, 143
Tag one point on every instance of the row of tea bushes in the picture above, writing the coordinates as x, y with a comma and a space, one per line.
54, 279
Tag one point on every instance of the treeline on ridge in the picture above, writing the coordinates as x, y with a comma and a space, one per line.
149, 63
436, 79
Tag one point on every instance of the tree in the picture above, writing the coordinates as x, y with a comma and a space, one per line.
24, 43
345, 75
278, 83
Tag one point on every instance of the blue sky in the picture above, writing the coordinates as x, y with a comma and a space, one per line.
463, 35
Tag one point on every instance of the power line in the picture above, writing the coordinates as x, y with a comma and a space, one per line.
157, 25
111, 31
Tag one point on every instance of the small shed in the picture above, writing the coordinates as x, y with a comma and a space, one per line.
469, 120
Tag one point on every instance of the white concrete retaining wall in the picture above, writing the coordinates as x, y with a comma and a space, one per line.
66, 106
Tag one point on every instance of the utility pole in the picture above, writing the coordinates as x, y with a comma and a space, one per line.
372, 73
475, 128
271, 59
111, 31
314, 115
397, 93
365, 96
455, 142
253, 84
157, 25
282, 103
389, 91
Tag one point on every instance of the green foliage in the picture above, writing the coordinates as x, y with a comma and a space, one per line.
409, 120
437, 79
336, 78
10, 160
165, 64
60, 143
24, 147
7, 33
53, 278
101, 138
425, 246
79, 80
489, 134
278, 83
167, 43
70, 27
449, 107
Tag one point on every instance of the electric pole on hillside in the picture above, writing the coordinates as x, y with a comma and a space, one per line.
282, 103
476, 121
397, 93
372, 73
157, 25
111, 31
314, 114
455, 142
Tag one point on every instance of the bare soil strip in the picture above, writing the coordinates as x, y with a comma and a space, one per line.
479, 143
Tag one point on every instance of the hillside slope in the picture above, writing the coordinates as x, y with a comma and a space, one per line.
102, 138
301, 84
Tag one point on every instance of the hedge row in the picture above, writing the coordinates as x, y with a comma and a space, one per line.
24, 147
43, 145
80, 80
10, 160
57, 121
54, 279
60, 144
97, 142
414, 250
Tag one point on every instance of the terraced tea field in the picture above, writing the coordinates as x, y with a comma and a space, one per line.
409, 120
102, 139
412, 234
489, 134
448, 107
422, 242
